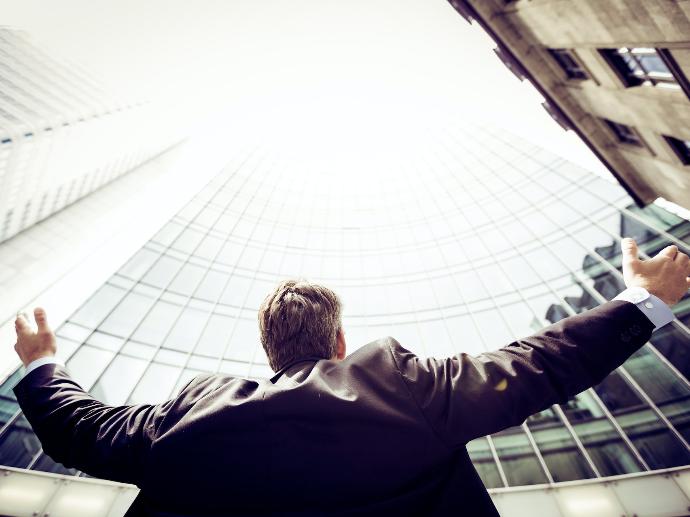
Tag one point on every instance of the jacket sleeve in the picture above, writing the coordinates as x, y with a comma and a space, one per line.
464, 397
110, 442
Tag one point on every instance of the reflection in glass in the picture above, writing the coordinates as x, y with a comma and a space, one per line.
517, 458
599, 437
674, 344
667, 391
656, 443
561, 455
483, 461
20, 444
8, 402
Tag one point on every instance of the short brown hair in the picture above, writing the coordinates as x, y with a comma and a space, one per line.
299, 319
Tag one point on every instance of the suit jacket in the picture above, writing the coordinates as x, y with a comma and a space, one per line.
381, 431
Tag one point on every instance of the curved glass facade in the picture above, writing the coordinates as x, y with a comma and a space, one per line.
475, 239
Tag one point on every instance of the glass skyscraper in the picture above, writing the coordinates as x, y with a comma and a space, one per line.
477, 237
63, 135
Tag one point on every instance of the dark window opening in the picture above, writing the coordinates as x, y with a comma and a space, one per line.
569, 63
625, 134
681, 148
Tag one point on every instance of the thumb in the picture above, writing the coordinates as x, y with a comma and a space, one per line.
41, 320
629, 249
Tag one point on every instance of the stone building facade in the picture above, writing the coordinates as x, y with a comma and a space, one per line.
615, 72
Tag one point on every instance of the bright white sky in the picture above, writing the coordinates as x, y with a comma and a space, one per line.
330, 65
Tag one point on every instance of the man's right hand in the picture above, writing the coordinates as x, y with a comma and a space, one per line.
666, 276
32, 345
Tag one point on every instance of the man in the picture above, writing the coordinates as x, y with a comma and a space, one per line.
378, 432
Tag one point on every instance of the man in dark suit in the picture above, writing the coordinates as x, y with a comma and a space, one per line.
377, 432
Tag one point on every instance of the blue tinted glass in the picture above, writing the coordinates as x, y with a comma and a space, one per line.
653, 63
19, 444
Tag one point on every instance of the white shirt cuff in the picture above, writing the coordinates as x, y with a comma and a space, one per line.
656, 311
40, 362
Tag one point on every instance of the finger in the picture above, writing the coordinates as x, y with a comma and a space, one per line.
669, 251
630, 253
21, 324
41, 320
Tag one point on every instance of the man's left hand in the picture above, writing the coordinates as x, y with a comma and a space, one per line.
32, 345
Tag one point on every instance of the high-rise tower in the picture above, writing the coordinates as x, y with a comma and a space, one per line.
62, 135
466, 242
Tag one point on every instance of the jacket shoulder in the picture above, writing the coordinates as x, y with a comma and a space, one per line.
381, 350
204, 383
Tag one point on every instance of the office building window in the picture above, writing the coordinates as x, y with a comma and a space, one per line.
568, 62
681, 148
624, 134
641, 66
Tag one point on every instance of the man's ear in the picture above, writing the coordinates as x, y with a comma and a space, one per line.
341, 349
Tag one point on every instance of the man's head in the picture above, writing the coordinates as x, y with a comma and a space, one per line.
298, 320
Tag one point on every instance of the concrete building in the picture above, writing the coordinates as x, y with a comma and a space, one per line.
615, 72
62, 135
471, 241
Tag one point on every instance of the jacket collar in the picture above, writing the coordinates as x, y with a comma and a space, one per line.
292, 363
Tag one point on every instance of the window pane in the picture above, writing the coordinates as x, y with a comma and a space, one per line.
245, 340
126, 316
494, 330
215, 336
599, 437
674, 344
236, 291
87, 364
156, 385
187, 279
91, 314
118, 380
653, 63
8, 402
666, 390
19, 444
187, 330
188, 240
464, 335
157, 323
162, 271
139, 264
483, 461
517, 457
657, 445
561, 455
212, 285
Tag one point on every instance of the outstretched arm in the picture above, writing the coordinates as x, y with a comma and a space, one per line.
73, 427
464, 397
78, 431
